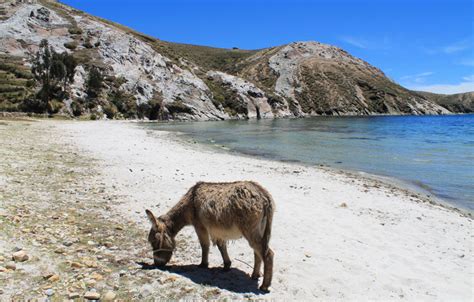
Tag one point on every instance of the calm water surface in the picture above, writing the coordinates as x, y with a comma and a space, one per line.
435, 152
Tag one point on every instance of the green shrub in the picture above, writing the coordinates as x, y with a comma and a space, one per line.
75, 31
54, 106
88, 44
76, 108
8, 107
177, 107
33, 105
10, 88
124, 102
223, 95
110, 110
71, 45
30, 83
94, 82
153, 109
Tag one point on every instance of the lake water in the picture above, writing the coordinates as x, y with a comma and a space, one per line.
433, 152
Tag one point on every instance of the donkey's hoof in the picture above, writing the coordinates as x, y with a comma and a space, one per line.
264, 289
255, 276
226, 267
203, 265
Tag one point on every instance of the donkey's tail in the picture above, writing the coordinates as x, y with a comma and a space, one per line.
268, 226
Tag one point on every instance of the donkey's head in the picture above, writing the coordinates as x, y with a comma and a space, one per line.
162, 243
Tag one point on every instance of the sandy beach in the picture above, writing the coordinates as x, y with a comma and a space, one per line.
336, 236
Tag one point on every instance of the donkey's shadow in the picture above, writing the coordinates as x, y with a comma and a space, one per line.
233, 280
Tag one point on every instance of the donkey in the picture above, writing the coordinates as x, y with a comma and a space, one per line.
219, 212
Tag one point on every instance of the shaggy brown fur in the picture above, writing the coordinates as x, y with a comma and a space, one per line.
219, 212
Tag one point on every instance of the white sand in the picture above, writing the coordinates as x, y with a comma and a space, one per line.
385, 245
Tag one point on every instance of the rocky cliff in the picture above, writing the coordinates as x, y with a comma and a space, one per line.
459, 102
193, 82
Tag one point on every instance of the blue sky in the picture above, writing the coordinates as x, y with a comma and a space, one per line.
421, 44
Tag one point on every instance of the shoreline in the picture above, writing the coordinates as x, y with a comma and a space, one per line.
411, 188
336, 236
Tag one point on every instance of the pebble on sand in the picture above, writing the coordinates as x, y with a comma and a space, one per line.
73, 295
109, 296
11, 266
53, 278
76, 265
20, 256
92, 296
96, 276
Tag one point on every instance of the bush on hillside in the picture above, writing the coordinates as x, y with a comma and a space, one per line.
71, 45
54, 71
153, 109
177, 107
76, 108
125, 103
94, 83
110, 110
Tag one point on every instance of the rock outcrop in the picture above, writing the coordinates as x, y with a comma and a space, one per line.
202, 83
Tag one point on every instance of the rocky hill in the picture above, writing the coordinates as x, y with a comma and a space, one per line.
459, 102
194, 82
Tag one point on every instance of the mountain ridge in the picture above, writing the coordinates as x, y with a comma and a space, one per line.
191, 82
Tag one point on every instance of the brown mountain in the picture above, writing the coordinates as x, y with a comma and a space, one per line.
195, 82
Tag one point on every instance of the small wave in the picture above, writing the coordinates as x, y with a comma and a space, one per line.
361, 138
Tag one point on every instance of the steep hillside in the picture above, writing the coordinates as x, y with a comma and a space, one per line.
189, 82
460, 102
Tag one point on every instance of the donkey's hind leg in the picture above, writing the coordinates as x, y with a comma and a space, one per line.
222, 245
267, 269
256, 267
265, 254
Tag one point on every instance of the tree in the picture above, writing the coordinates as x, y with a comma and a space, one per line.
94, 82
54, 71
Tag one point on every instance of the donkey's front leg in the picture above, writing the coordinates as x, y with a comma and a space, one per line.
203, 236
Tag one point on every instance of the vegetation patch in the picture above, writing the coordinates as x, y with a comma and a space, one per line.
153, 109
208, 58
75, 30
16, 83
71, 45
178, 107
224, 96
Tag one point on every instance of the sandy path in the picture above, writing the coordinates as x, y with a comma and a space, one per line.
385, 245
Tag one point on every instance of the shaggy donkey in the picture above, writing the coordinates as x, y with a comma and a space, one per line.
219, 212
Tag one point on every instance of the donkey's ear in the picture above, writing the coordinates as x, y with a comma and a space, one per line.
151, 217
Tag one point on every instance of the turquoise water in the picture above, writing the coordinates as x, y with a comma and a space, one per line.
434, 152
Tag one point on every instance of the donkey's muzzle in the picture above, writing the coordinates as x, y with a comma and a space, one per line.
162, 258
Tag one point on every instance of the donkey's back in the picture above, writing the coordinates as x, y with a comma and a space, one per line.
232, 210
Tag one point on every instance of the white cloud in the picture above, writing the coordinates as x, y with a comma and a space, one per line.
467, 62
467, 85
417, 78
374, 43
458, 46
453, 48
469, 78
355, 42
